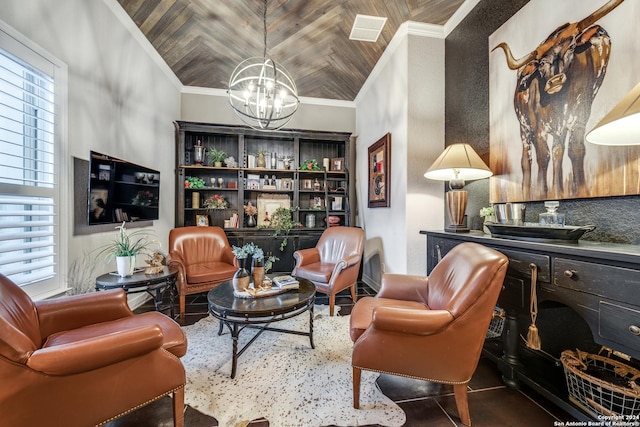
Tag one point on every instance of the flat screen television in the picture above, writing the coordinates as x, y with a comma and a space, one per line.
121, 191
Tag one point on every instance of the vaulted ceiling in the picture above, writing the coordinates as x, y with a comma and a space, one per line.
202, 41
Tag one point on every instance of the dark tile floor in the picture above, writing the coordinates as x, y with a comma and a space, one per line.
491, 403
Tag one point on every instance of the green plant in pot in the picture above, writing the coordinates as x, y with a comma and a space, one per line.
126, 247
282, 221
216, 157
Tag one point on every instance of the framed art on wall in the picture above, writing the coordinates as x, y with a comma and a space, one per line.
379, 164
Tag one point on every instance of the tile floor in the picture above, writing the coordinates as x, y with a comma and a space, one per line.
491, 403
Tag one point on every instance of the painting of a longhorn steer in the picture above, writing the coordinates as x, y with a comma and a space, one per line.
556, 85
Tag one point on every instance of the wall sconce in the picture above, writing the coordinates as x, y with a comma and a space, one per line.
622, 125
458, 162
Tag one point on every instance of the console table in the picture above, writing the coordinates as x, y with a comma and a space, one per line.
588, 296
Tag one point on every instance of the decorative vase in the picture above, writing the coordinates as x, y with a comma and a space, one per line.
262, 162
125, 265
258, 272
488, 220
242, 278
251, 221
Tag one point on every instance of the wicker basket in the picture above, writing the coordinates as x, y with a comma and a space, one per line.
497, 323
601, 385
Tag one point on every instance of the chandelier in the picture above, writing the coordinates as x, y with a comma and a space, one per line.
261, 91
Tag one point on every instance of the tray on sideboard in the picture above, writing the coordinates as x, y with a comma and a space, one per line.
539, 233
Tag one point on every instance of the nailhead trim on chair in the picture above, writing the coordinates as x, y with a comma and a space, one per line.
115, 417
414, 377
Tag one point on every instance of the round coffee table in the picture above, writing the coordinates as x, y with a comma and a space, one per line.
153, 284
259, 313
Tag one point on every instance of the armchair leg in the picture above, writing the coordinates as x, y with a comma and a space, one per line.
356, 387
183, 304
462, 403
353, 291
332, 303
178, 407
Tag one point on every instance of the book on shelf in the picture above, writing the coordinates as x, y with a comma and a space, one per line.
285, 282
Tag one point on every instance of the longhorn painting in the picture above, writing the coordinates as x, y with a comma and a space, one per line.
556, 68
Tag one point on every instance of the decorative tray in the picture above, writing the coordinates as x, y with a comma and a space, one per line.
539, 233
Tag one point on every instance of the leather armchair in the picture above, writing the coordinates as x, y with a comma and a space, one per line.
431, 328
203, 257
84, 360
334, 264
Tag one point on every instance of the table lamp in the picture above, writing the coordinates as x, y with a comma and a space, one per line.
621, 126
458, 162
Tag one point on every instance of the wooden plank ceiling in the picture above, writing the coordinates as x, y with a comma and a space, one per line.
203, 40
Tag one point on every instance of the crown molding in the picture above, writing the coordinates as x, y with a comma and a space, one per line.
459, 15
197, 90
407, 28
146, 45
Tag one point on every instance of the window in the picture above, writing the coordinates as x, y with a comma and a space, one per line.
30, 146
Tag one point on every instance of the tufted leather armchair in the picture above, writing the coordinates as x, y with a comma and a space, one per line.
203, 257
334, 264
84, 360
431, 328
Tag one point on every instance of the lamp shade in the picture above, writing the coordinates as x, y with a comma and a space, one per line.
622, 125
458, 161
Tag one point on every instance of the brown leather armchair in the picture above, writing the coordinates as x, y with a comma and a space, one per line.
84, 360
430, 328
203, 257
334, 264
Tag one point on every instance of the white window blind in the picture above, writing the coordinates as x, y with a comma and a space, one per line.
27, 171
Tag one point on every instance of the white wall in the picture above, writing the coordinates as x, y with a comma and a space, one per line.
122, 101
212, 106
404, 96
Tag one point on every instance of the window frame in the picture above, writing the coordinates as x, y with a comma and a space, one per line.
28, 51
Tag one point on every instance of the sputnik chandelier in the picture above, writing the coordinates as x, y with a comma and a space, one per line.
261, 91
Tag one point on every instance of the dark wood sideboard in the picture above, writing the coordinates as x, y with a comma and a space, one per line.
588, 296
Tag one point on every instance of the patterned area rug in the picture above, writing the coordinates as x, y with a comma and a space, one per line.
281, 378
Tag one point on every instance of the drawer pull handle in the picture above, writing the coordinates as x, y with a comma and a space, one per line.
569, 273
635, 330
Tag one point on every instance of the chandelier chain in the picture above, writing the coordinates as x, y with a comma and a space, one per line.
264, 21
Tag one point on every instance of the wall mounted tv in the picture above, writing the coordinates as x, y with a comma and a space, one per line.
121, 191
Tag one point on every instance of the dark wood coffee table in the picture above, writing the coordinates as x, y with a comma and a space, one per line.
259, 313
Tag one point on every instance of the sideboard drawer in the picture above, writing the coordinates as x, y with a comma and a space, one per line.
620, 325
616, 283
520, 264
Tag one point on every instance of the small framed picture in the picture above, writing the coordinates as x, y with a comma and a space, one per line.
287, 184
307, 184
337, 164
202, 220
316, 202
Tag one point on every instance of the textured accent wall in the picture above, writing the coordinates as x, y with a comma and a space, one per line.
467, 120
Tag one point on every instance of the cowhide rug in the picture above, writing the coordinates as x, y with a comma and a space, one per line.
281, 378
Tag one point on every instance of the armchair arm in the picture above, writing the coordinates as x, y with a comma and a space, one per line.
407, 321
61, 314
94, 353
343, 264
174, 259
306, 256
404, 287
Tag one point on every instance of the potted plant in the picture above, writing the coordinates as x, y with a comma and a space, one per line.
216, 202
125, 248
216, 157
282, 221
489, 215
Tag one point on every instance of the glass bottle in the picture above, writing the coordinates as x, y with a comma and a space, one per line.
551, 217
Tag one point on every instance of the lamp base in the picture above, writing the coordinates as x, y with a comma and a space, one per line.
456, 229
